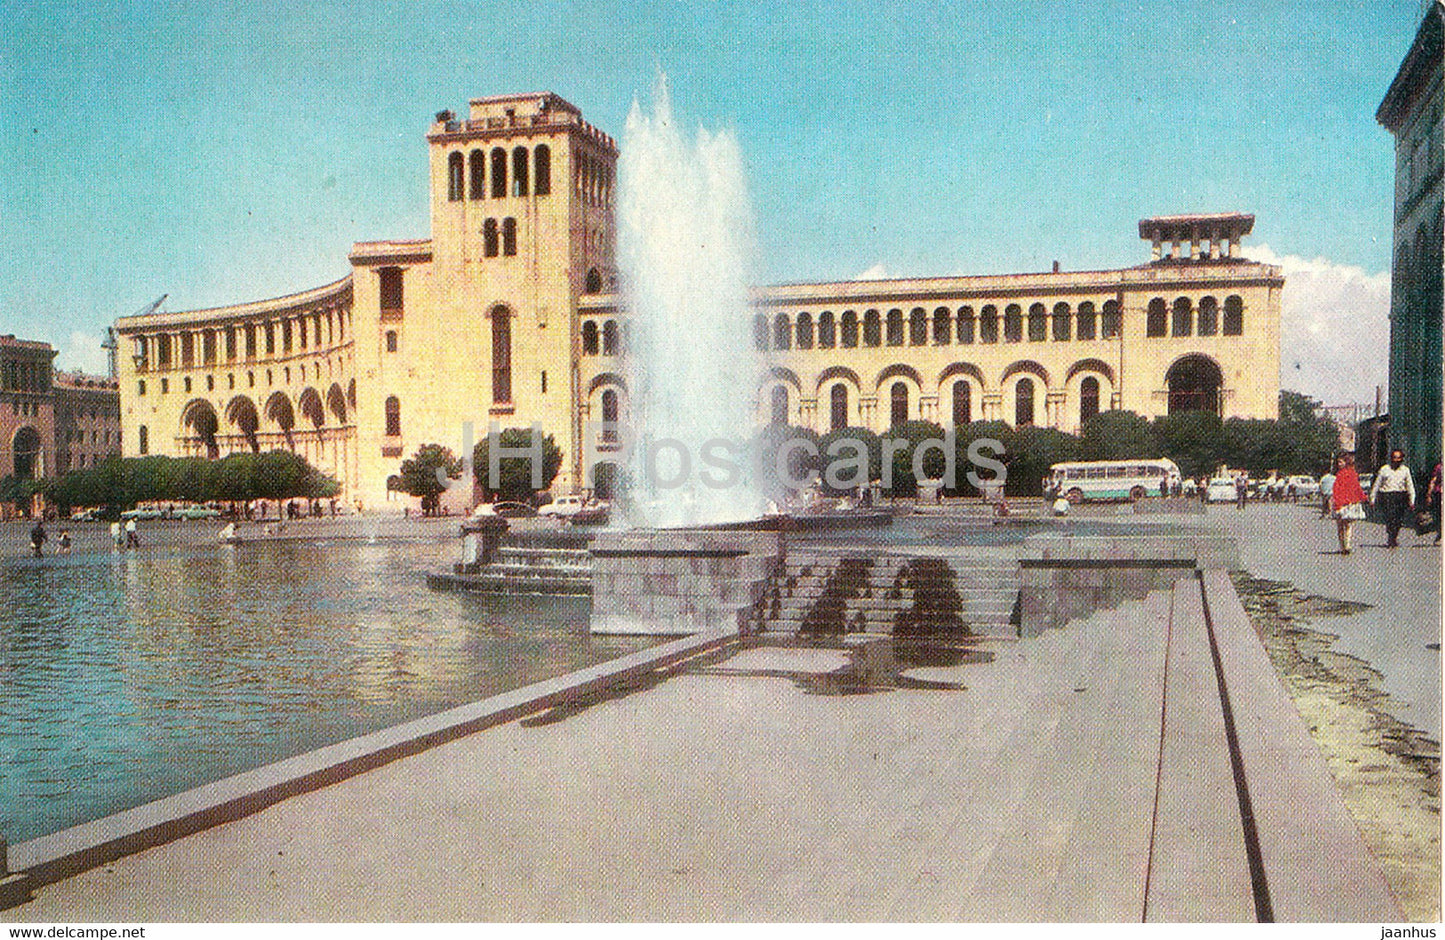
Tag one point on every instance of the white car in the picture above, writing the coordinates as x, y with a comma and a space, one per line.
1304, 485
1221, 490
563, 506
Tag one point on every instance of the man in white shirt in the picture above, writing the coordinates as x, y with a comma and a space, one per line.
1394, 492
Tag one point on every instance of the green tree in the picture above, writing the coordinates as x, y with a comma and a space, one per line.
914, 433
421, 475
514, 478
964, 438
1194, 440
1035, 451
1116, 435
842, 461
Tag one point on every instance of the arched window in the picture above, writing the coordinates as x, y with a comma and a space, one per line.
780, 405
1183, 317
942, 327
827, 332
1038, 323
489, 238
895, 327
1233, 315
609, 338
965, 325
542, 185
898, 399
1013, 323
872, 329
782, 332
850, 329
454, 177
1088, 321
1158, 318
805, 331
1088, 399
1208, 316
501, 356
988, 325
589, 338
1024, 403
917, 327
594, 282
519, 171
391, 340
509, 237
838, 402
760, 331
1194, 384
609, 416
1063, 323
477, 163
499, 173
1113, 321
393, 416
962, 403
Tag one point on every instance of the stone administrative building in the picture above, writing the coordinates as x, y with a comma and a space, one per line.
510, 313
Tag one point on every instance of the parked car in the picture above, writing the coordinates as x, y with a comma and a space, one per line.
563, 506
85, 515
1221, 490
1304, 485
141, 515
195, 512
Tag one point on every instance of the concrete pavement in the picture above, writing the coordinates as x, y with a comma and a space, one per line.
1399, 635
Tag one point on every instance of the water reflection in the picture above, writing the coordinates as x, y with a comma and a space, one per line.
127, 677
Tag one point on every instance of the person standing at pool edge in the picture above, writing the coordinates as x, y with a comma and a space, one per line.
1347, 499
1394, 492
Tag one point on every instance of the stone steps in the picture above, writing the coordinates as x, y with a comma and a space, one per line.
891, 593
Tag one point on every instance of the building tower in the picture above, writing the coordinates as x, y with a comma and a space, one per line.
522, 225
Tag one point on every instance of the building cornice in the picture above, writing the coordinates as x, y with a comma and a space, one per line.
398, 251
1421, 62
339, 290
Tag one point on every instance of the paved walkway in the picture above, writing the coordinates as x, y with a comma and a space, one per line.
1046, 780
1402, 586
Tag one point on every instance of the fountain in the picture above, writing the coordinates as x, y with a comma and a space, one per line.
685, 237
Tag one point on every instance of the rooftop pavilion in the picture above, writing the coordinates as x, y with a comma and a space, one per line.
1207, 237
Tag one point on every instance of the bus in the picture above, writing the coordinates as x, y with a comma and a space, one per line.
1113, 479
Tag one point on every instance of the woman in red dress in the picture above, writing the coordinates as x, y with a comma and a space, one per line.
1347, 500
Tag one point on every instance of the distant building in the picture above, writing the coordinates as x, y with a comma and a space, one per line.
52, 422
1412, 111
510, 313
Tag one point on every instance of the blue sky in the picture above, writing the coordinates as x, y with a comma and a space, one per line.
227, 152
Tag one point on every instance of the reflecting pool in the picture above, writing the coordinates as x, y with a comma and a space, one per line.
126, 677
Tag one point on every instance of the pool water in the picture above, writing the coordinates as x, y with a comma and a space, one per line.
127, 677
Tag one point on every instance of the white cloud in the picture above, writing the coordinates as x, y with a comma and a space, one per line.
1334, 327
81, 351
876, 273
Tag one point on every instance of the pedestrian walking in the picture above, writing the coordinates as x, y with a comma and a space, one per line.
37, 539
1327, 484
1394, 492
64, 541
1241, 491
1347, 499
116, 538
132, 538
1432, 501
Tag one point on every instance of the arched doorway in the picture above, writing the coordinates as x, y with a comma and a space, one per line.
1194, 383
779, 405
200, 420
